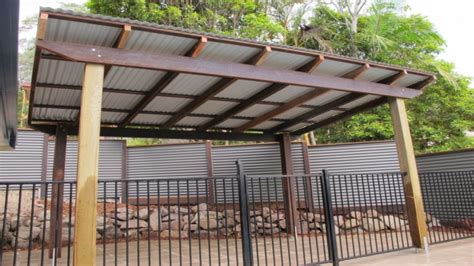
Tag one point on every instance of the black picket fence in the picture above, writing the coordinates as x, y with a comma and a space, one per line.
449, 205
232, 220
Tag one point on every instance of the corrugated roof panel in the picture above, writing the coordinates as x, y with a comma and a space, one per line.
375, 74
326, 97
135, 79
232, 123
188, 84
281, 60
360, 101
228, 52
288, 93
57, 96
112, 117
297, 126
158, 43
193, 121
166, 104
266, 125
256, 110
408, 80
79, 32
325, 116
120, 101
60, 72
335, 68
294, 112
243, 89
214, 107
150, 119
55, 114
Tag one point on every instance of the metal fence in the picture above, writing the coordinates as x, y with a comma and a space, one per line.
449, 204
249, 225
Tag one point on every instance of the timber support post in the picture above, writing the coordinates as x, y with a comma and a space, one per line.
289, 198
57, 195
88, 165
411, 182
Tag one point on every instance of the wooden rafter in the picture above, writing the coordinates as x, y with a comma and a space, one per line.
261, 95
355, 74
214, 90
338, 102
120, 43
183, 64
162, 84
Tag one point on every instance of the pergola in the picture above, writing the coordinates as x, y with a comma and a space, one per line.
98, 76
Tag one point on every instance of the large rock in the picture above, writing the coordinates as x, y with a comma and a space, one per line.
24, 232
323, 229
142, 214
174, 234
266, 212
350, 223
134, 224
282, 224
339, 220
176, 225
276, 217
392, 222
372, 225
356, 215
208, 224
170, 217
371, 213
201, 207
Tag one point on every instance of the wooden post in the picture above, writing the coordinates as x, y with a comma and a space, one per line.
411, 182
210, 172
57, 195
289, 200
308, 185
88, 166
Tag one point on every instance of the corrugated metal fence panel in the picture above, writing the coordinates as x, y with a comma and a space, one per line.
355, 158
110, 163
25, 163
260, 159
167, 161
452, 161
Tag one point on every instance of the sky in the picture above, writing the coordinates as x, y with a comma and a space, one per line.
451, 19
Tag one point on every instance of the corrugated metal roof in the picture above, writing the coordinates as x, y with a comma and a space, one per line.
324, 116
360, 101
65, 26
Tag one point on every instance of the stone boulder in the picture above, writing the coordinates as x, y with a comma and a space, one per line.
372, 225
392, 222
371, 213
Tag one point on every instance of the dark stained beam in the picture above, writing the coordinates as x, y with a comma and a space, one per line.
338, 102
317, 111
341, 116
281, 109
166, 134
214, 90
74, 87
162, 84
355, 74
423, 84
182, 64
261, 95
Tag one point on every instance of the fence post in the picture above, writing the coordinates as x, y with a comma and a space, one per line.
328, 214
244, 216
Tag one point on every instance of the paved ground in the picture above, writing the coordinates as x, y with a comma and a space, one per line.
286, 252
460, 252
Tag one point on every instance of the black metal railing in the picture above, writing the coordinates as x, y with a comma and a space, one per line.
449, 204
232, 220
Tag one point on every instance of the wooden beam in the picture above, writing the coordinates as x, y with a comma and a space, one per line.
411, 182
166, 133
42, 25
338, 102
162, 84
289, 197
261, 95
317, 111
355, 74
213, 90
57, 194
341, 116
423, 84
182, 64
120, 43
281, 109
88, 166
309, 202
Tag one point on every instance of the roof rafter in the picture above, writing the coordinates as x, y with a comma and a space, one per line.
214, 90
355, 74
261, 95
162, 84
331, 105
